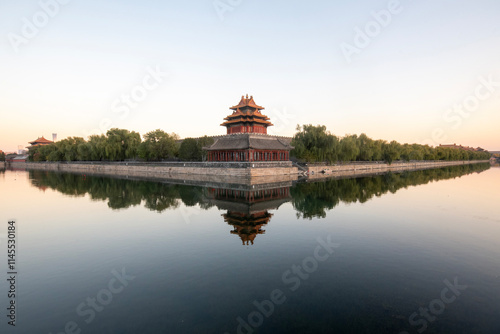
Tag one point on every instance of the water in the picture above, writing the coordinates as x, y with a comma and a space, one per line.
366, 255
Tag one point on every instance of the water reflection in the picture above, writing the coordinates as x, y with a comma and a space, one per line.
247, 208
314, 199
395, 252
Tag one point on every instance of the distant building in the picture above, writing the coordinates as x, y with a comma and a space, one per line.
20, 158
10, 157
41, 141
247, 138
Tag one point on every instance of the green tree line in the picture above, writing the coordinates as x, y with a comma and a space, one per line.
120, 145
317, 144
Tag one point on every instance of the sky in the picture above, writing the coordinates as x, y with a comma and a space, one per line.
412, 71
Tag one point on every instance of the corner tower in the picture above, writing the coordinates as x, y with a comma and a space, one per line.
247, 139
246, 118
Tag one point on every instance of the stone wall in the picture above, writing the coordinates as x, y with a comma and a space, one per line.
166, 170
362, 168
258, 172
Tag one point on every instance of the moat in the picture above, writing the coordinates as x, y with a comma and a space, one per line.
396, 253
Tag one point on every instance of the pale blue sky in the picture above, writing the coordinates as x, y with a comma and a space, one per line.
287, 54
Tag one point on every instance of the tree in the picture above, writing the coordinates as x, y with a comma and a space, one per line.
46, 151
97, 147
158, 145
190, 150
34, 155
406, 150
55, 155
391, 151
377, 150
366, 147
122, 144
429, 152
2, 156
68, 148
442, 153
315, 143
349, 148
41, 152
417, 152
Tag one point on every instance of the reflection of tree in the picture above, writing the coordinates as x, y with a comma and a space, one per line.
190, 196
309, 199
120, 193
314, 199
160, 197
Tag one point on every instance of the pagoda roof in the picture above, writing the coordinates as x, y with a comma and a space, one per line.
247, 120
243, 141
249, 208
238, 114
41, 140
247, 102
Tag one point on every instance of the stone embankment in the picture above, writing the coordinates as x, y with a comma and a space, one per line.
165, 169
368, 168
233, 171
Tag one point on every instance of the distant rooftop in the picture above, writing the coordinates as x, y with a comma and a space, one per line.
41, 140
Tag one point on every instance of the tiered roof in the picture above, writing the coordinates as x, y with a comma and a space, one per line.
247, 226
247, 102
243, 141
247, 111
41, 141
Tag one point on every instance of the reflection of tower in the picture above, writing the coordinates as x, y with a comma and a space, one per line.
247, 226
247, 210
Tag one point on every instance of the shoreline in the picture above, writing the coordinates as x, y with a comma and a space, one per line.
253, 174
372, 168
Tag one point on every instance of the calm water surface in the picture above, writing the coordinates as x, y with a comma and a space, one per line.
414, 253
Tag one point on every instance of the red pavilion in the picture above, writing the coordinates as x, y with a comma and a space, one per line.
247, 138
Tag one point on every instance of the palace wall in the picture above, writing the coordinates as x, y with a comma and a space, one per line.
220, 169
232, 172
368, 168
